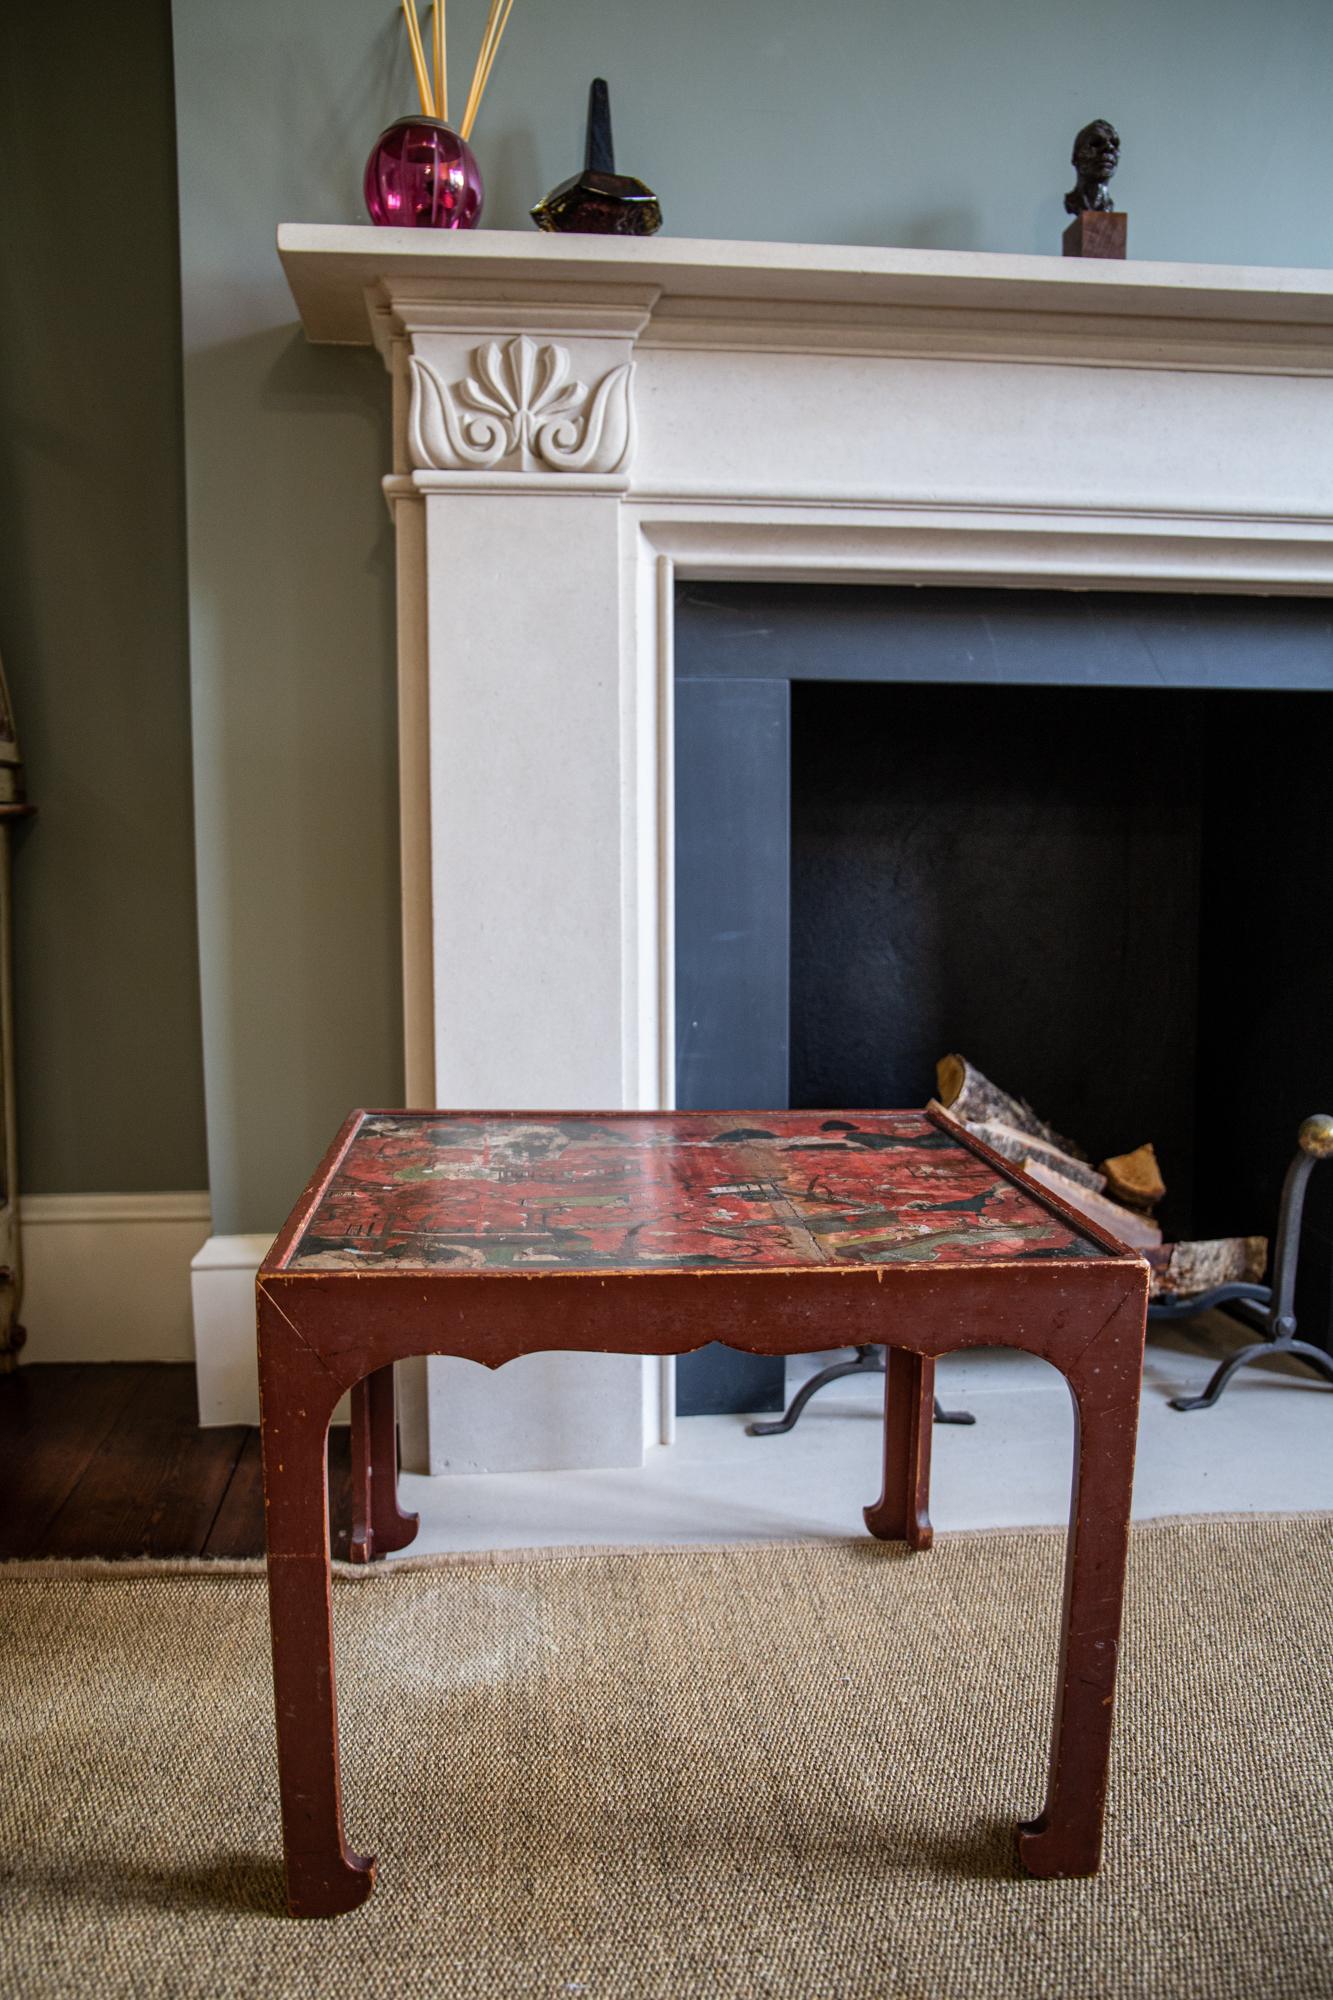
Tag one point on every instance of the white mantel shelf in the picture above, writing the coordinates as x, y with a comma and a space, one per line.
816, 296
580, 423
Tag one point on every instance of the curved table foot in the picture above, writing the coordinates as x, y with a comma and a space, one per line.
1050, 1851
901, 1512
328, 1887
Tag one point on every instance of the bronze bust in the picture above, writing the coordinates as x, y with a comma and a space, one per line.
1095, 157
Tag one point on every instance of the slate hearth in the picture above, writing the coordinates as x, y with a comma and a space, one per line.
1081, 836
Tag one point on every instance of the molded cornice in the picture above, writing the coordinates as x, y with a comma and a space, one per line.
358, 285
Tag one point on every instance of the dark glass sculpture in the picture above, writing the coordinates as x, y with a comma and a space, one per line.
421, 175
599, 201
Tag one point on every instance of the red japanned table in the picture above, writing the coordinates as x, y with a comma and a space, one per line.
490, 1235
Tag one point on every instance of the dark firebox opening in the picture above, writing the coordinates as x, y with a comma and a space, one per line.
1112, 900
1080, 836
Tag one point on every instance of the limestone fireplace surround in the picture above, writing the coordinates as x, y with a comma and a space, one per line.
578, 422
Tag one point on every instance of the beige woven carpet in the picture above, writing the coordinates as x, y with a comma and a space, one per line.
785, 1770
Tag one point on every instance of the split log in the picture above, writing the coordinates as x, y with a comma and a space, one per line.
1011, 1144
1140, 1232
972, 1098
1180, 1270
1135, 1178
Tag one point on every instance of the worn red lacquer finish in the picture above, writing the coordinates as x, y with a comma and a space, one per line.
444, 1192
426, 1233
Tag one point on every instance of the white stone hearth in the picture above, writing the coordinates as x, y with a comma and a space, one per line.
580, 421
1263, 1449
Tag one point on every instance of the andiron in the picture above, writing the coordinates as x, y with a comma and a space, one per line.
869, 1361
1269, 1308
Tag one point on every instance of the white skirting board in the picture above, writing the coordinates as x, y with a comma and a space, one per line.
138, 1278
464, 1421
106, 1277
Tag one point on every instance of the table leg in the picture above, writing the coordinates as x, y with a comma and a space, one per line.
901, 1514
1066, 1839
378, 1523
296, 1401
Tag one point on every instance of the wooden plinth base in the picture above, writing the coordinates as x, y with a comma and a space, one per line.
1094, 234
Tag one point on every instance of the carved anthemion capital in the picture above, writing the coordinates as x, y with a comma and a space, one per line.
520, 411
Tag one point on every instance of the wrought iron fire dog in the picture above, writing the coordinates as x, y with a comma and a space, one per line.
869, 1361
1270, 1308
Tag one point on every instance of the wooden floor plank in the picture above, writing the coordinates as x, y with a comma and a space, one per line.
156, 1481
110, 1461
53, 1420
238, 1526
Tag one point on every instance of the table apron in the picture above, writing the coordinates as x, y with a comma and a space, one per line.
352, 1324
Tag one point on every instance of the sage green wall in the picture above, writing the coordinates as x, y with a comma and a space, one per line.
873, 121
93, 602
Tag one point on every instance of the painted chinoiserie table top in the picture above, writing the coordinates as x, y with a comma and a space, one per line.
453, 1192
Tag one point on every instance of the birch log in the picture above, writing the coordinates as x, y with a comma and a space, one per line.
1139, 1231
1135, 1178
1180, 1270
1011, 1144
973, 1099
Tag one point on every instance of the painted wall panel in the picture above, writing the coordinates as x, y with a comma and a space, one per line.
93, 603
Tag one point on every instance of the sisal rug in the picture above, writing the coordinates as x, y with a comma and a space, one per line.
772, 1770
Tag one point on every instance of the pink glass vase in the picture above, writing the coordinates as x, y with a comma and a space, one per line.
421, 175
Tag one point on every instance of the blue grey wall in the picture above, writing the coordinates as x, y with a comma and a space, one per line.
93, 603
945, 125
874, 121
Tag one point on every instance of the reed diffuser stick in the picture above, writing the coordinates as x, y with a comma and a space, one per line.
441, 63
418, 57
473, 95
494, 49
496, 24
434, 90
